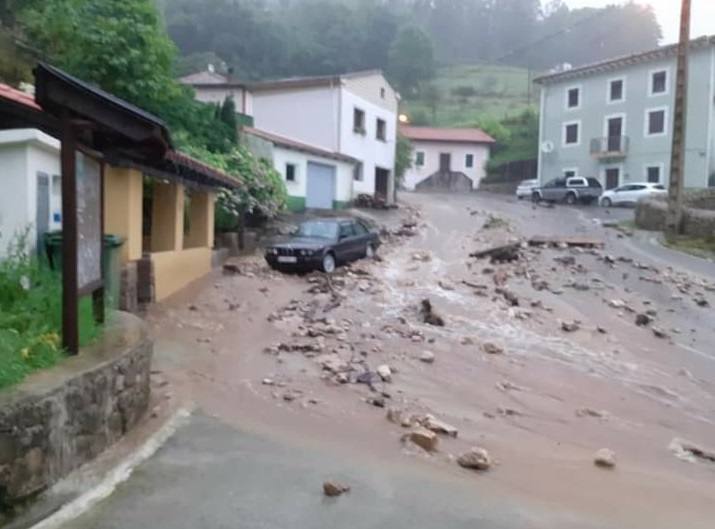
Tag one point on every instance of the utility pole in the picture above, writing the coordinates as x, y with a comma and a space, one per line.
677, 160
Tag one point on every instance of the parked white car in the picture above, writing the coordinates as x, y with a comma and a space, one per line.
630, 194
526, 188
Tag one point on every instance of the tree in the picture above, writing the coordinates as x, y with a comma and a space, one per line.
411, 59
403, 158
228, 116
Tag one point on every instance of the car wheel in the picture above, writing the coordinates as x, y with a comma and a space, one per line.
328, 264
370, 251
606, 203
571, 199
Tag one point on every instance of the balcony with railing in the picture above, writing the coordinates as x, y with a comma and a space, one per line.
609, 148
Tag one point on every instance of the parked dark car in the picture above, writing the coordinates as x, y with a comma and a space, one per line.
569, 190
323, 244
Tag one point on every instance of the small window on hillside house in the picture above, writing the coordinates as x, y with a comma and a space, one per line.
659, 82
655, 122
357, 172
419, 158
381, 130
569, 173
290, 172
653, 174
359, 121
616, 91
469, 160
382, 93
573, 98
571, 134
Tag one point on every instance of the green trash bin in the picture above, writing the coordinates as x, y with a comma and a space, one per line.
111, 263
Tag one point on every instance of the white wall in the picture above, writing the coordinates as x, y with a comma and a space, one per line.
308, 115
344, 172
370, 88
459, 152
24, 153
219, 94
367, 148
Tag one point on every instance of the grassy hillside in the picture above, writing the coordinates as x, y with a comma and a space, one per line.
463, 95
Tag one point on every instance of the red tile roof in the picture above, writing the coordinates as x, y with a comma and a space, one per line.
445, 134
17, 96
298, 146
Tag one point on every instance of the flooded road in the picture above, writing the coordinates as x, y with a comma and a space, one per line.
273, 364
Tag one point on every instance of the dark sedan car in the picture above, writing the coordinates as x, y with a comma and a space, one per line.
322, 244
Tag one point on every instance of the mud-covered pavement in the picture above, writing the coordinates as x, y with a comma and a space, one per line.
540, 362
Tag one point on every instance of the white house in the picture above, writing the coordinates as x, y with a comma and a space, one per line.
353, 114
30, 201
450, 158
315, 178
212, 87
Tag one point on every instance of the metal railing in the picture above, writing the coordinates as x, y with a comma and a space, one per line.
609, 147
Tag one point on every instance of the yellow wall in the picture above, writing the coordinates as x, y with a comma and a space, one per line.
201, 233
167, 223
123, 195
175, 270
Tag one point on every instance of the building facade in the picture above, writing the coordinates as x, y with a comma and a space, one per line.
614, 120
314, 178
446, 157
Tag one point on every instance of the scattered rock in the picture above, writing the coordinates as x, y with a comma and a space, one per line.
332, 488
509, 296
231, 269
492, 348
590, 412
435, 425
570, 326
427, 357
476, 458
690, 451
378, 402
643, 320
429, 315
268, 382
605, 458
394, 415
385, 373
423, 438
659, 333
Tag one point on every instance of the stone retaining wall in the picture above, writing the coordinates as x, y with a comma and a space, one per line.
60, 418
508, 188
698, 219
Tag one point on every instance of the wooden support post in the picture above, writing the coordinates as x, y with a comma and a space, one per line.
70, 294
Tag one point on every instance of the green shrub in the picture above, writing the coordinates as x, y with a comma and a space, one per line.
31, 317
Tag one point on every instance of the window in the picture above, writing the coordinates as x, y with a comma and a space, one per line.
653, 174
360, 229
381, 133
290, 172
616, 91
655, 122
571, 133
570, 173
419, 158
346, 230
469, 160
382, 93
658, 83
573, 97
357, 172
359, 121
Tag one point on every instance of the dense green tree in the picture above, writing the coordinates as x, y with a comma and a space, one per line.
411, 60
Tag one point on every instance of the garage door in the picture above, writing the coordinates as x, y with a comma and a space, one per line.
321, 186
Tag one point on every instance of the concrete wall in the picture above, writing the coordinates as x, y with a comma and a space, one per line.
366, 147
60, 418
309, 115
643, 151
459, 151
297, 189
173, 270
24, 153
375, 89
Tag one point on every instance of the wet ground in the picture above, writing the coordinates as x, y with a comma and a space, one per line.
271, 362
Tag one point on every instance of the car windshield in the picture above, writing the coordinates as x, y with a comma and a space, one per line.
320, 229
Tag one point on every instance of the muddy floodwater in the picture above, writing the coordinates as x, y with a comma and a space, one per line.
540, 360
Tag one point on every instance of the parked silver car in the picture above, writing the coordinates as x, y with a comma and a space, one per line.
630, 194
526, 187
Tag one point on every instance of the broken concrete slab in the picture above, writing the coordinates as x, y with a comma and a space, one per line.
476, 458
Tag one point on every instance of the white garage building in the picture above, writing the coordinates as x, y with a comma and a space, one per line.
315, 178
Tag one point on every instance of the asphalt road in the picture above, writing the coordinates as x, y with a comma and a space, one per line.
214, 475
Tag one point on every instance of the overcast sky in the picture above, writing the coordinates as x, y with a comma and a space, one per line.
668, 12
